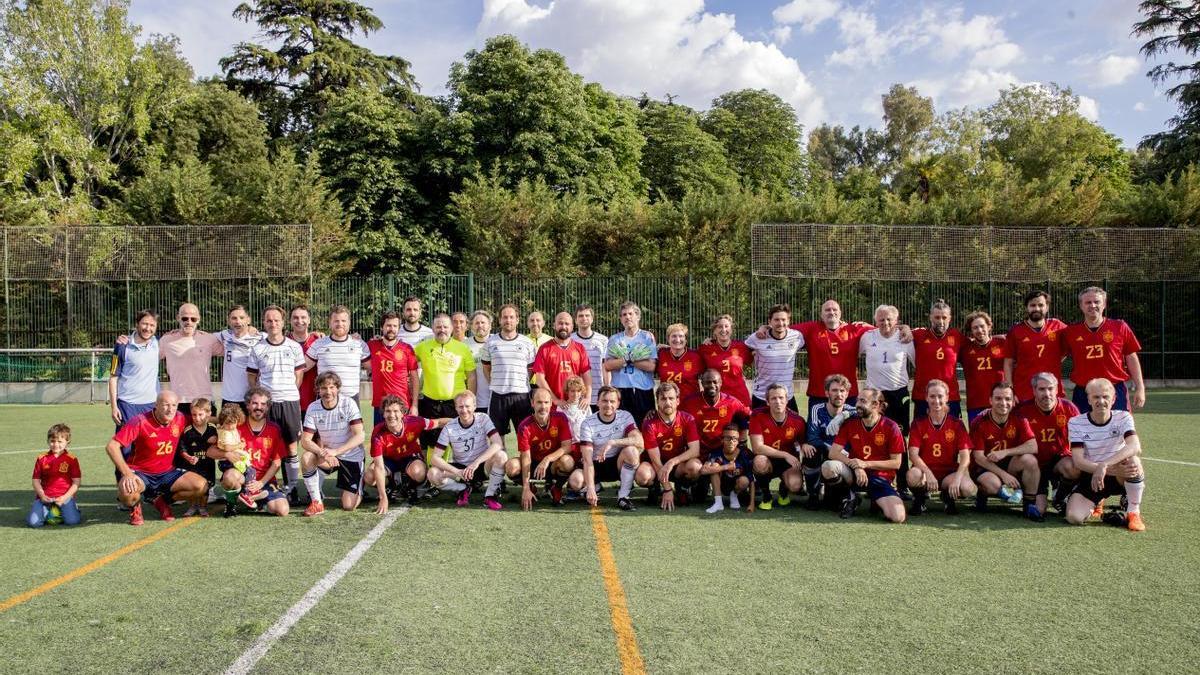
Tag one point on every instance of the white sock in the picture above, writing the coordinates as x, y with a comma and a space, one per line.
1133, 491
627, 473
291, 472
495, 477
717, 505
312, 481
733, 501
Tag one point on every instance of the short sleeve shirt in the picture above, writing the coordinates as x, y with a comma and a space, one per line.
444, 366
335, 426
467, 443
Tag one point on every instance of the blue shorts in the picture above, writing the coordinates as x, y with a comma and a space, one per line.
1079, 398
395, 466
273, 492
878, 488
158, 483
130, 411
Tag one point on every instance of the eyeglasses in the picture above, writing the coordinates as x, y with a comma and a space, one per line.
190, 319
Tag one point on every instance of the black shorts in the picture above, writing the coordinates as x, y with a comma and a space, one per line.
400, 465
778, 466
637, 402
1048, 473
816, 460
287, 415
481, 473
728, 483
206, 467
434, 409
609, 470
756, 403
508, 410
349, 475
897, 407
977, 471
1112, 486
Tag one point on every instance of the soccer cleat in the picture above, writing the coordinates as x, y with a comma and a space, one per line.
1059, 502
230, 510
1098, 511
1032, 513
314, 509
202, 512
135, 515
492, 504
1116, 519
653, 495
980, 502
951, 508
919, 505
1135, 523
766, 505
850, 505
465, 497
625, 504
905, 494
164, 508
717, 506
246, 501
1010, 495
293, 499
556, 495
814, 501
783, 500
192, 511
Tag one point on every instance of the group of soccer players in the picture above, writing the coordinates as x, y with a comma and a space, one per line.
586, 411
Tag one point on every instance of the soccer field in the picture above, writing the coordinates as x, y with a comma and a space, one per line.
468, 590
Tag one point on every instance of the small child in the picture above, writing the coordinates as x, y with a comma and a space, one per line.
56, 479
730, 469
194, 445
230, 440
577, 408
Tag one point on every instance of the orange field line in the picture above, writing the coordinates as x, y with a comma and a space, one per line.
627, 646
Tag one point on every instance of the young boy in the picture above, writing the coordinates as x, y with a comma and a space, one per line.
730, 469
194, 445
55, 481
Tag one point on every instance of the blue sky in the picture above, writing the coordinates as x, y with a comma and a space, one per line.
831, 59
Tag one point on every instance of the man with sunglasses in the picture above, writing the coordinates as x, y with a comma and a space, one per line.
189, 352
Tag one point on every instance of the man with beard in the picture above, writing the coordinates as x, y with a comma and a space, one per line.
507, 358
824, 421
265, 443
393, 366
937, 350
559, 359
865, 456
544, 452
1032, 346
596, 345
713, 410
672, 447
1048, 415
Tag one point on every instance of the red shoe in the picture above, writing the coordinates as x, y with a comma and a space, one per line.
135, 515
314, 509
1134, 522
247, 501
164, 508
556, 495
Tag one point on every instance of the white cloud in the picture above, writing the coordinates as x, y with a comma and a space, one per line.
1139, 107
1089, 108
780, 35
956, 36
996, 56
668, 46
807, 14
945, 33
1112, 70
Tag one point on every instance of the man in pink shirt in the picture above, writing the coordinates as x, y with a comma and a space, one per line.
189, 353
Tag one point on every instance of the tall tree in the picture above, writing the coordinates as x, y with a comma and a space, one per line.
315, 54
907, 118
1173, 26
680, 157
527, 117
761, 138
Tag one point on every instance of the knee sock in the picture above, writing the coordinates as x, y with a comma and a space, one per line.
627, 473
231, 496
291, 472
495, 477
312, 481
1134, 487
763, 480
812, 477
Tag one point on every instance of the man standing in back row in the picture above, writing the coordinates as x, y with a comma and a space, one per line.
1103, 348
631, 361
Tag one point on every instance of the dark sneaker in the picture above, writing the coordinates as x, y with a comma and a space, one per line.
850, 505
919, 505
1032, 513
625, 505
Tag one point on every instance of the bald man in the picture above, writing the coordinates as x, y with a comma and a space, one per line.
559, 359
189, 352
149, 471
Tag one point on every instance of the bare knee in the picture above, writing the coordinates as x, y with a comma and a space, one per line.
762, 465
644, 475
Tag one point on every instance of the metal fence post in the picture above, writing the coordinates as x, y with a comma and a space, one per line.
1162, 327
470, 293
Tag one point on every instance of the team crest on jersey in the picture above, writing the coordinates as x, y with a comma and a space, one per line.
1108, 336
63, 468
949, 435
790, 434
721, 411
1010, 433
411, 436
678, 432
1061, 420
687, 367
553, 431
1049, 335
996, 351
879, 438
266, 444
950, 340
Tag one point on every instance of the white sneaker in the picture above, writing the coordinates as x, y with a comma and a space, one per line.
734, 503
717, 506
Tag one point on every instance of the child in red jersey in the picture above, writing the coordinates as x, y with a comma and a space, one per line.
55, 481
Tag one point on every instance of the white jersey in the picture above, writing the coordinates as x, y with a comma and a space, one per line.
510, 359
575, 415
467, 443
335, 426
237, 359
344, 357
599, 433
597, 348
775, 361
483, 391
887, 360
1100, 442
276, 365
411, 338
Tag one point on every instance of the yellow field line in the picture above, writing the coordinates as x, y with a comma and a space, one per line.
93, 566
627, 646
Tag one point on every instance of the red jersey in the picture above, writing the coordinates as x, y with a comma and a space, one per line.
670, 440
731, 363
876, 444
987, 436
983, 367
1033, 351
1049, 428
831, 351
389, 445
56, 472
1100, 352
683, 371
390, 367
265, 446
938, 445
937, 358
558, 363
308, 384
711, 419
153, 443
785, 435
540, 442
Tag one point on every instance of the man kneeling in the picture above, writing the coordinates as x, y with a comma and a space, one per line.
1105, 449
544, 443
396, 454
476, 453
865, 455
939, 451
